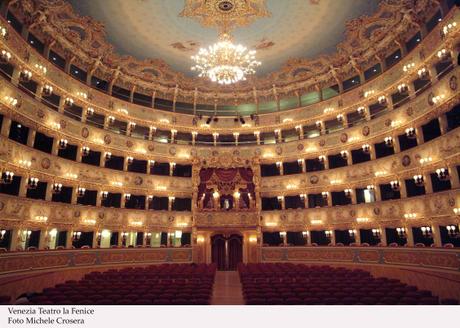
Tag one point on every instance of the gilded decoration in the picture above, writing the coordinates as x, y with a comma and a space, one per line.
366, 38
231, 13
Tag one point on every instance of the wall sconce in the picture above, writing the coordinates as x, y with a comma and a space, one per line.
7, 177
107, 155
171, 199
104, 194
325, 194
410, 133
90, 111
3, 31
376, 232
56, 188
369, 93
85, 151
340, 118
5, 57
11, 101
426, 232
361, 111
425, 160
253, 239
81, 191
328, 233
47, 90
283, 234
236, 194
388, 141
305, 234
110, 119
401, 232
2, 234
300, 162
395, 186
408, 67
63, 144
348, 192
298, 128
41, 218
437, 99
351, 232
328, 110
319, 124
277, 132
82, 94
344, 154
127, 197
200, 239
173, 165
41, 68
316, 221
422, 73
366, 148
279, 164
280, 198
443, 54
410, 215
403, 88
76, 235
129, 160
370, 187
443, 174
419, 180
451, 231
382, 100
32, 183
449, 27
303, 197
322, 159
457, 210
362, 220
25, 75
132, 125
68, 102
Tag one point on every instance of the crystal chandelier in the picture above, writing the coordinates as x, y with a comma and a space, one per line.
224, 62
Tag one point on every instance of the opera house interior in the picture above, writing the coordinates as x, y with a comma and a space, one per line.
229, 152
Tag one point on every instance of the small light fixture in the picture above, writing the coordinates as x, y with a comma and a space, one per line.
370, 187
452, 231
425, 160
32, 183
403, 88
110, 119
419, 180
456, 211
81, 191
401, 232
11, 101
215, 194
426, 231
7, 177
321, 158
443, 174
300, 161
443, 54
68, 102
348, 192
344, 154
351, 232
63, 143
90, 111
85, 151
422, 73
127, 196
366, 148
388, 141
319, 124
104, 194
129, 160
361, 110
2, 234
410, 133
25, 75
56, 188
449, 27
376, 232
437, 99
340, 118
108, 155
325, 194
47, 90
328, 233
382, 100
408, 67
395, 185
410, 215
5, 57
76, 235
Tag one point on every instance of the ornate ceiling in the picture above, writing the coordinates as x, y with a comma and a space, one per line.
303, 44
173, 30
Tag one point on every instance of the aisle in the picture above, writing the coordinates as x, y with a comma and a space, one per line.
227, 289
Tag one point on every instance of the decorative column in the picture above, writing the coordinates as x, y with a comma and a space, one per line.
280, 167
194, 134
31, 138
402, 188
68, 239
299, 130
96, 239
419, 135
173, 135
428, 183
23, 186
332, 237
49, 191
15, 236
73, 200
79, 156
257, 134
215, 135
396, 144
436, 235
454, 178
6, 126
443, 124
409, 236
383, 236
278, 135
354, 200
358, 237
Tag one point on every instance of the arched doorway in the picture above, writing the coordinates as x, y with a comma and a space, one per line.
227, 251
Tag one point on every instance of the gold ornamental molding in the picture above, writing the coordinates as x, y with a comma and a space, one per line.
225, 14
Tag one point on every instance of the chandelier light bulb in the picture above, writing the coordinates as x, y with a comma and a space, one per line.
224, 62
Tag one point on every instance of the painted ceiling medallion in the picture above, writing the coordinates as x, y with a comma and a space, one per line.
232, 13
224, 62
